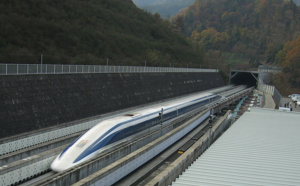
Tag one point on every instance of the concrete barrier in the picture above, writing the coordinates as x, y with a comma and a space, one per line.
23, 169
167, 176
30, 151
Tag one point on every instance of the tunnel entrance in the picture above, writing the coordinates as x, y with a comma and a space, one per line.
249, 78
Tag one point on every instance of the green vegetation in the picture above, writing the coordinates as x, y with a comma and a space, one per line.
89, 32
234, 59
166, 8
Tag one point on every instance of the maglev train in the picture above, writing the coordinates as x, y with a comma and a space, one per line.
113, 130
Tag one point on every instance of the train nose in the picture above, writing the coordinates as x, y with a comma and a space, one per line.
59, 166
55, 166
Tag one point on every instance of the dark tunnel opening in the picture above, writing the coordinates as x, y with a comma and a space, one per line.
243, 78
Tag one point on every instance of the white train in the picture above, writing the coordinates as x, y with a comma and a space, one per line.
111, 131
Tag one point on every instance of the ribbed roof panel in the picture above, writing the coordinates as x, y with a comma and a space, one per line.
261, 148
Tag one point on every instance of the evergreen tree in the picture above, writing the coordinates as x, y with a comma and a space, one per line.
179, 24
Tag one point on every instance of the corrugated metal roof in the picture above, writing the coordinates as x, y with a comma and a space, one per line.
261, 148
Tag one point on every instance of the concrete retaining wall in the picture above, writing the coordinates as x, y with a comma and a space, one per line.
31, 102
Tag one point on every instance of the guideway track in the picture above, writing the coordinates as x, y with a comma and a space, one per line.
146, 171
27, 152
172, 171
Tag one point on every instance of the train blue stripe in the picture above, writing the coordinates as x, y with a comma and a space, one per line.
101, 137
98, 144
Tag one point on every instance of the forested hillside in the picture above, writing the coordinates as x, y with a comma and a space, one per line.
166, 8
253, 31
248, 33
89, 32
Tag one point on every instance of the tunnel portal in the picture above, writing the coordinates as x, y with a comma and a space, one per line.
249, 78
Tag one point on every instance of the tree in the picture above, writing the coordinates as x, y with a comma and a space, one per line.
289, 56
179, 24
157, 17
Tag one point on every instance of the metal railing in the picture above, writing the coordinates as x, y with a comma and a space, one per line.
15, 69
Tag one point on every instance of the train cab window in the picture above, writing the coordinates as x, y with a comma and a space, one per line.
82, 143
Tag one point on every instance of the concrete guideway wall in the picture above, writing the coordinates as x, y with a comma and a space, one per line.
167, 176
25, 141
28, 167
33, 150
31, 102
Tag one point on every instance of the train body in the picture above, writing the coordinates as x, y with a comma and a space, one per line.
111, 131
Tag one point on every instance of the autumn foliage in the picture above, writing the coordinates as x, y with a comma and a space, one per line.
289, 56
256, 29
249, 33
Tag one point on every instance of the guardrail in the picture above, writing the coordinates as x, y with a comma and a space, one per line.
15, 69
